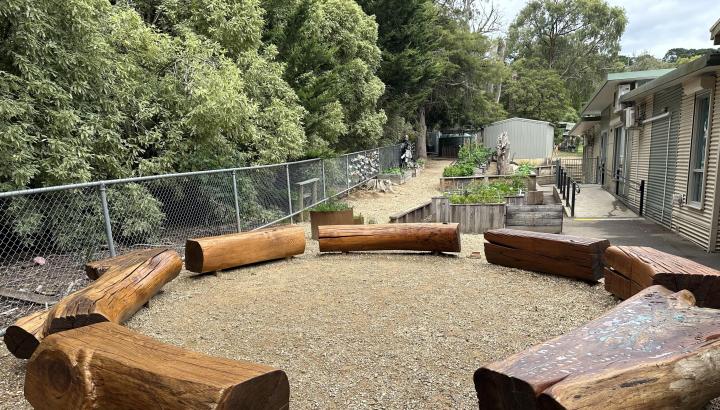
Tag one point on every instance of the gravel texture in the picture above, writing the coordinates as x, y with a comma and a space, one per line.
380, 330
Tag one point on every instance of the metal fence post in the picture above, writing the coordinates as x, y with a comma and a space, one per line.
347, 170
322, 162
237, 203
567, 192
642, 196
106, 218
287, 173
617, 182
572, 202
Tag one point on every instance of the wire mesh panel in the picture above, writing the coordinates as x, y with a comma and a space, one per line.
45, 239
47, 235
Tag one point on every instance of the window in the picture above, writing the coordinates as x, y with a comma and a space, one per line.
701, 130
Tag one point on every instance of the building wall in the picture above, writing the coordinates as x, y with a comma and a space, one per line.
529, 139
692, 223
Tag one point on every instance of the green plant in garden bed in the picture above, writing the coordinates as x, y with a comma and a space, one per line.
525, 169
392, 171
485, 193
459, 170
475, 154
331, 206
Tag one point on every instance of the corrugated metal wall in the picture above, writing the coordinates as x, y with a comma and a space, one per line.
529, 139
663, 156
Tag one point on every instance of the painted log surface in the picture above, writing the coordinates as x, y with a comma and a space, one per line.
24, 336
434, 237
95, 269
116, 295
645, 266
565, 255
657, 350
229, 251
107, 366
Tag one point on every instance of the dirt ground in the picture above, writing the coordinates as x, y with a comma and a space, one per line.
366, 330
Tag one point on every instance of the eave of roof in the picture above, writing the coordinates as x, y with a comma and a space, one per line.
715, 33
702, 64
615, 79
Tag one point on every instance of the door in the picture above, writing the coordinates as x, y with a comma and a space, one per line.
619, 156
663, 156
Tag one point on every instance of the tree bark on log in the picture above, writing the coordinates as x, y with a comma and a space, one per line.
656, 350
229, 251
107, 366
24, 336
564, 255
116, 295
432, 237
95, 269
644, 266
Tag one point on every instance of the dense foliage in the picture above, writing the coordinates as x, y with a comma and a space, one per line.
470, 156
487, 192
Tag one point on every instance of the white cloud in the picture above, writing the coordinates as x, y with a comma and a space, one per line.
655, 26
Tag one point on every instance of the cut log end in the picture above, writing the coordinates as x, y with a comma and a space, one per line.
24, 336
194, 257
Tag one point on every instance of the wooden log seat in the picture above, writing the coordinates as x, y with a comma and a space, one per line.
656, 350
633, 268
433, 237
215, 253
107, 366
120, 292
564, 255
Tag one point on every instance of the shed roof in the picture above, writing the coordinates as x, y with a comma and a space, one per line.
715, 33
520, 119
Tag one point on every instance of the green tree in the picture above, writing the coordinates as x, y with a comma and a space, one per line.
330, 49
578, 39
537, 93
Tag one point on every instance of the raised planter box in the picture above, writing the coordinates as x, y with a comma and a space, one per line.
452, 183
319, 218
536, 218
416, 214
473, 218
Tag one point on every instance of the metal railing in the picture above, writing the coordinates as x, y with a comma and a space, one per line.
567, 186
628, 191
48, 234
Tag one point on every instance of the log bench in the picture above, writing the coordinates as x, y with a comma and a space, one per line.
432, 237
124, 287
564, 255
107, 366
655, 350
215, 253
629, 269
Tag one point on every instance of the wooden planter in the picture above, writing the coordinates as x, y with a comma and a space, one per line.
318, 218
359, 220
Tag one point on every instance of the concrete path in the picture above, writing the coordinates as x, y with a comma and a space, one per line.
595, 202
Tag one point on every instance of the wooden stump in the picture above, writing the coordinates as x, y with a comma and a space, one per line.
24, 336
655, 350
229, 251
106, 366
564, 255
639, 267
432, 237
127, 283
116, 295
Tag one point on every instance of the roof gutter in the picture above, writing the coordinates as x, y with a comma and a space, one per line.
669, 79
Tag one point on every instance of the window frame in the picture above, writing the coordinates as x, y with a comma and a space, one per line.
698, 205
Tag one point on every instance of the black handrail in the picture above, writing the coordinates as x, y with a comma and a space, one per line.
639, 186
567, 186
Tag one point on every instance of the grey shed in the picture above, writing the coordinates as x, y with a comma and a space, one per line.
529, 139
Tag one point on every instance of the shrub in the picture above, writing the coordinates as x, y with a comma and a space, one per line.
475, 154
459, 170
331, 206
484, 193
525, 169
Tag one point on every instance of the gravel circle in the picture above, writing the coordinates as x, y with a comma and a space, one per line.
364, 330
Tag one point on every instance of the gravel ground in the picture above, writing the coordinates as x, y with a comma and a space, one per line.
381, 330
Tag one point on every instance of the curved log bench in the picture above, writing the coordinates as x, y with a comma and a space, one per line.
432, 237
215, 253
570, 256
109, 366
629, 269
115, 296
655, 350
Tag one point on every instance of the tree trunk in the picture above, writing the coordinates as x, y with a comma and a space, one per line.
502, 46
432, 237
116, 295
107, 366
564, 255
422, 134
24, 336
654, 351
229, 251
502, 149
127, 283
637, 267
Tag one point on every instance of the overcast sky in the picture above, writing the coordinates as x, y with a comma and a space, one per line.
654, 26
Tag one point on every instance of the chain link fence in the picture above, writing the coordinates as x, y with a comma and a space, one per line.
48, 234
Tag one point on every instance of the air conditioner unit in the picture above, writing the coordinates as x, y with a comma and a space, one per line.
629, 118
